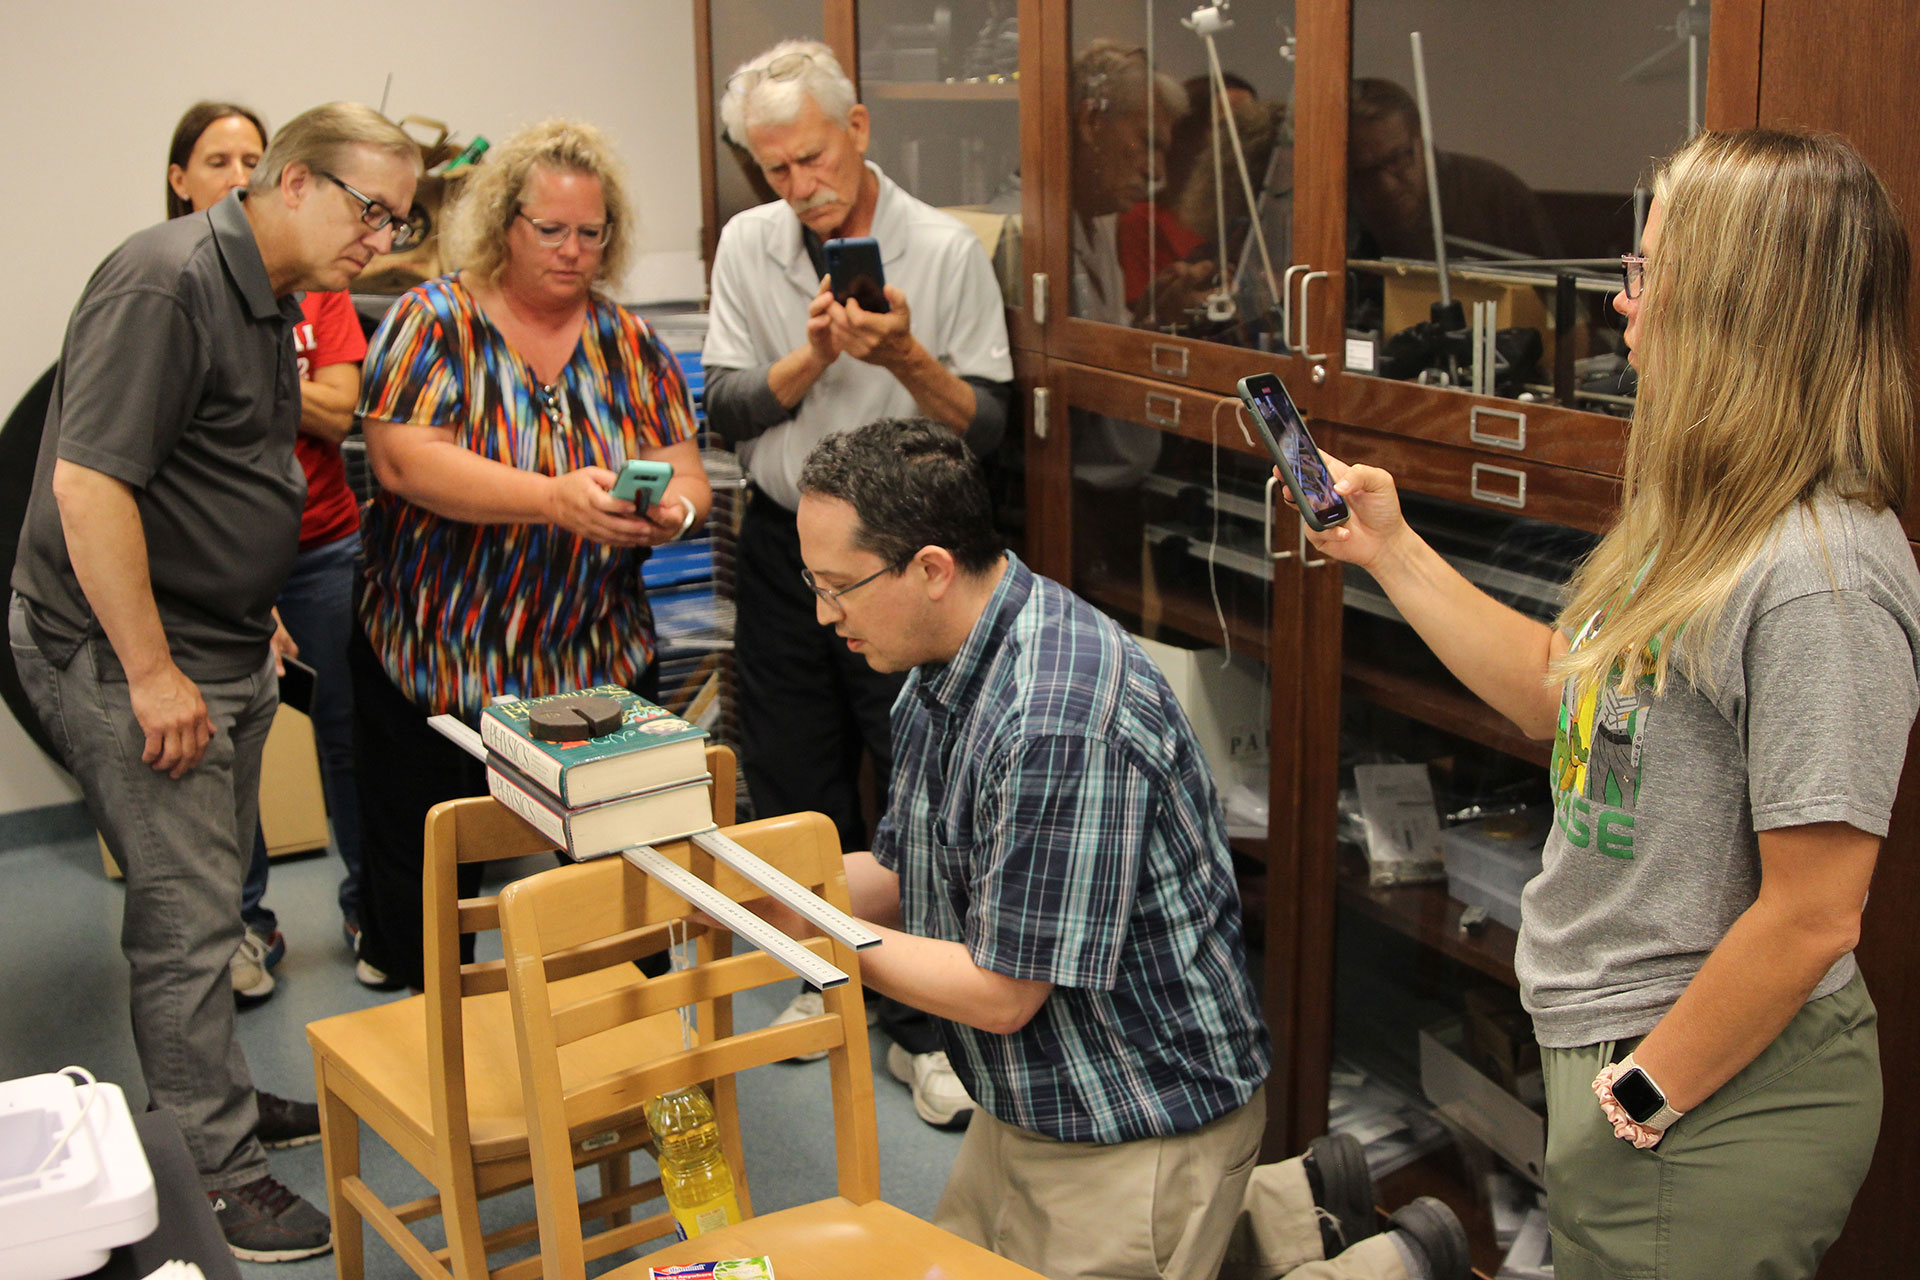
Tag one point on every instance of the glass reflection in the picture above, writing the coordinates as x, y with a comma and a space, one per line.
1181, 185
1542, 119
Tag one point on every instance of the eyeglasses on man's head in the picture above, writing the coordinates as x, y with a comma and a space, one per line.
377, 215
787, 66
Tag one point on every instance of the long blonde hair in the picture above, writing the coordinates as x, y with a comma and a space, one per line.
1774, 366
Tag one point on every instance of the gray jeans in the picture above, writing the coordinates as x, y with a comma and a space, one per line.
183, 846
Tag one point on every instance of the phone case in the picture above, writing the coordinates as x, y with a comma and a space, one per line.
642, 483
1286, 470
854, 266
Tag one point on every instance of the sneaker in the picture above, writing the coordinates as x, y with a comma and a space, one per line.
1431, 1229
284, 1123
808, 1004
273, 946
252, 984
1343, 1195
938, 1096
265, 1222
369, 976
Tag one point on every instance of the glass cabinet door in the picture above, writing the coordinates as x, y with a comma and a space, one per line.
1542, 120
737, 30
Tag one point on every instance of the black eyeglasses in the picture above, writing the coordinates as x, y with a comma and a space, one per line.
832, 594
554, 234
1633, 269
377, 215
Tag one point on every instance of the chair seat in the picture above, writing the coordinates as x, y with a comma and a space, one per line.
384, 1051
836, 1238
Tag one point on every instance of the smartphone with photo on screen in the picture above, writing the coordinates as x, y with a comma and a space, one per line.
1285, 433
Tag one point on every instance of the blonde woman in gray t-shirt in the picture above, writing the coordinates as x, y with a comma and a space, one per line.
1729, 694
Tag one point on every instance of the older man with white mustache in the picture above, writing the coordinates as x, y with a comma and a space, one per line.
786, 367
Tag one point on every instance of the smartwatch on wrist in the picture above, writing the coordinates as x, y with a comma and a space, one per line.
1644, 1101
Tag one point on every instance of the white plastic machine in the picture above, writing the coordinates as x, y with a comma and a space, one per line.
74, 1179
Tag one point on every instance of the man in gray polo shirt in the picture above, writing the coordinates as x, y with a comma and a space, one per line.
164, 518
786, 367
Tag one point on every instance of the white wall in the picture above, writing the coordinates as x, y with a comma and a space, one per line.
91, 92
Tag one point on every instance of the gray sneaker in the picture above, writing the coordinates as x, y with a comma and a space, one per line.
265, 1222
284, 1123
248, 969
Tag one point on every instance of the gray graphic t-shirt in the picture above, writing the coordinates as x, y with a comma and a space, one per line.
1654, 853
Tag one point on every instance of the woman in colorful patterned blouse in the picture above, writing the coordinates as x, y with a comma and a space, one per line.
500, 401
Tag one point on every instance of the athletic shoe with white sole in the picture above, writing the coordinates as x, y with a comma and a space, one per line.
938, 1096
808, 1004
252, 984
285, 1123
265, 1222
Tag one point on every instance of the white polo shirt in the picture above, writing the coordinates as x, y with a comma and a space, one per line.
763, 281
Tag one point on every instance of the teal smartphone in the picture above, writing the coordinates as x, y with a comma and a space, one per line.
642, 483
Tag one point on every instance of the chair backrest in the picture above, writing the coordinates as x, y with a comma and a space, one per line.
460, 833
572, 918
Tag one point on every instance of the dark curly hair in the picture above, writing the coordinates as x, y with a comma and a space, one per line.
913, 484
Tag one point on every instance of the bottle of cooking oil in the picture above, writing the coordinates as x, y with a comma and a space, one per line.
694, 1171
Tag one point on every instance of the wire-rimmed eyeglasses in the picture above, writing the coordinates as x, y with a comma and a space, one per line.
832, 595
377, 215
785, 67
1633, 269
554, 234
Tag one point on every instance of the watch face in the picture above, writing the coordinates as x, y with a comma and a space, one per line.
1638, 1095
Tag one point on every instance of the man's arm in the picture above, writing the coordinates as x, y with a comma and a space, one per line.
327, 400
108, 548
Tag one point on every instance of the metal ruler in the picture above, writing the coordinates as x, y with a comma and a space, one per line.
718, 906
824, 916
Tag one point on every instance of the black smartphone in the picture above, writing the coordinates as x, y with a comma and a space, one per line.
1293, 450
854, 265
296, 686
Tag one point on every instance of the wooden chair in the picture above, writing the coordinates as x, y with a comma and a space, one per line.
437, 1076
554, 923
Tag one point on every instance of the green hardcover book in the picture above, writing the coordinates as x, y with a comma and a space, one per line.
651, 748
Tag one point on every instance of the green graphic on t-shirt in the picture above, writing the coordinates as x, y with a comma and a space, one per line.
1596, 761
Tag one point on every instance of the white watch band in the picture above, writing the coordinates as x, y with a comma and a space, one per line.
686, 521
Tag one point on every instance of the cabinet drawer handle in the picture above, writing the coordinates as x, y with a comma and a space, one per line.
1518, 440
1169, 360
1517, 499
1163, 410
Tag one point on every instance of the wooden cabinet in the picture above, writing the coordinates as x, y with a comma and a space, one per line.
1140, 482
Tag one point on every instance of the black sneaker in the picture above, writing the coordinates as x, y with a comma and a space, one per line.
265, 1222
284, 1123
1435, 1232
1342, 1189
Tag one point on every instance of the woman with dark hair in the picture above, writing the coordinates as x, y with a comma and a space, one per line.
1729, 692
215, 148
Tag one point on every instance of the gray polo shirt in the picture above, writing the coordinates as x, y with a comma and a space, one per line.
178, 376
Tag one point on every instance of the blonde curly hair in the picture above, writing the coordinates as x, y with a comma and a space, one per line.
475, 229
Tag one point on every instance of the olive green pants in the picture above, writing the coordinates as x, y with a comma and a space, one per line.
1752, 1184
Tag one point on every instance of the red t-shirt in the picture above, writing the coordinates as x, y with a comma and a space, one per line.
330, 334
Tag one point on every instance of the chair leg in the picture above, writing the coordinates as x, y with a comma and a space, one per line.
616, 1174
340, 1150
460, 1215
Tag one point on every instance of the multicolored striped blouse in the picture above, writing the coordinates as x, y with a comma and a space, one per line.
462, 612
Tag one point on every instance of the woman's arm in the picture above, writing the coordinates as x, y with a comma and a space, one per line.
429, 468
1498, 652
1813, 887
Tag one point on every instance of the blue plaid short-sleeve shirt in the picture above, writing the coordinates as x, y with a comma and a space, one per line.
1052, 811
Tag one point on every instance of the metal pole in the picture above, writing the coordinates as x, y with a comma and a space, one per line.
1433, 181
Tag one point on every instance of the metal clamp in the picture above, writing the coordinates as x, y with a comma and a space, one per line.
1042, 406
1517, 499
1518, 440
1306, 288
1167, 416
1169, 360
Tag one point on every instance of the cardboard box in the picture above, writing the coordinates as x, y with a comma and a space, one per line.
1513, 1130
1227, 707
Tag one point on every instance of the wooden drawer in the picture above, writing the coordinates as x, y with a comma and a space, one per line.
1511, 428
1515, 486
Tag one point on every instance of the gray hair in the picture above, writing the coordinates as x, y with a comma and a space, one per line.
1113, 77
754, 98
319, 137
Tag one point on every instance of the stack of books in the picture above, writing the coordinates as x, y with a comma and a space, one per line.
643, 783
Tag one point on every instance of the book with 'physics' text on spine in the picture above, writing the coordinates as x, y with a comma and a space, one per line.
651, 748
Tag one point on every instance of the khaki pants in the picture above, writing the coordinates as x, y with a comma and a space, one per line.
1146, 1210
1754, 1182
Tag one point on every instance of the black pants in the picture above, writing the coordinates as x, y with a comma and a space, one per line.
808, 707
406, 768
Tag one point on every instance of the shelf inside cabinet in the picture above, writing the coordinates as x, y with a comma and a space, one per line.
942, 90
1426, 914
1193, 617
1443, 705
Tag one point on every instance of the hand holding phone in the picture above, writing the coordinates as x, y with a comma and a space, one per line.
642, 483
854, 266
1284, 432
